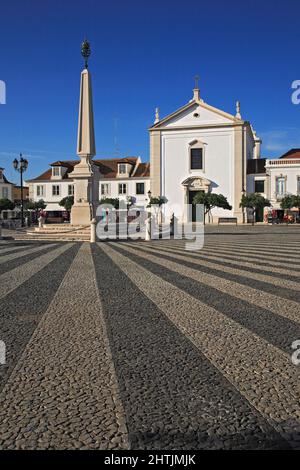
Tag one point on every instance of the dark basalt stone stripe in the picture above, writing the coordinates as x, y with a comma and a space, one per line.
245, 268
275, 329
173, 397
17, 262
14, 245
243, 258
22, 309
283, 292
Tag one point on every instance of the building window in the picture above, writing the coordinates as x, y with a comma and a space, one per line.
104, 189
5, 193
140, 188
196, 159
40, 191
71, 190
298, 185
55, 171
280, 185
122, 188
55, 190
122, 168
259, 186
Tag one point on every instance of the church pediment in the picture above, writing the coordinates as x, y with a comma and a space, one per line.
194, 114
197, 182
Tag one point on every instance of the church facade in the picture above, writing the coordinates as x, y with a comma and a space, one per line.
201, 148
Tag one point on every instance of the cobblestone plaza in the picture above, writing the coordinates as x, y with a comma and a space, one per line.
135, 345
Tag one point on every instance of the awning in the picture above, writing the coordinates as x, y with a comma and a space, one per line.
54, 206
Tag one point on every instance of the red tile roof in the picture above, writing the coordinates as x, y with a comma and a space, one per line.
293, 153
108, 168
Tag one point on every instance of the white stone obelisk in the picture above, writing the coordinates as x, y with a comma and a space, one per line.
86, 174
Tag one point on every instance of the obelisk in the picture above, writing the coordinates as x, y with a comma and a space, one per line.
86, 173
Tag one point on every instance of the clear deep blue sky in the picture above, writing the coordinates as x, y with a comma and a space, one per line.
144, 54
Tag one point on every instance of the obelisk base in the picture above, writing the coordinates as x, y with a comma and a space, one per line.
81, 214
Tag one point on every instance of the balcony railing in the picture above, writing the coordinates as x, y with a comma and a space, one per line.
283, 162
280, 196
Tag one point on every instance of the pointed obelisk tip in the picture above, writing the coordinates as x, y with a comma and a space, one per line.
85, 52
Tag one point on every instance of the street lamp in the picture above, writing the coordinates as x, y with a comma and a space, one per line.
21, 166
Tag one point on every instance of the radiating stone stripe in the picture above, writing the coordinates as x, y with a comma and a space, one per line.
250, 275
14, 248
254, 259
274, 328
14, 278
22, 309
66, 372
267, 249
244, 250
173, 396
236, 262
247, 361
13, 260
284, 307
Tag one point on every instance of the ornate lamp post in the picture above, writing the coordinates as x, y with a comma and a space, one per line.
85, 52
244, 210
21, 166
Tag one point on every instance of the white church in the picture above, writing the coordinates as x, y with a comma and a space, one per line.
196, 148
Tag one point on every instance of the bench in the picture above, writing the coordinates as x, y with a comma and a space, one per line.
227, 220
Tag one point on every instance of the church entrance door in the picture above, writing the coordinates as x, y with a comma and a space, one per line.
192, 207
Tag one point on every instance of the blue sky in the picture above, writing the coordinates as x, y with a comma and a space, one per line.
144, 54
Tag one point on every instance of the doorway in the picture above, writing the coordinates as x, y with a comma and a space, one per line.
192, 207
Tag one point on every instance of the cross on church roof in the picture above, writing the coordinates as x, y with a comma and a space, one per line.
196, 78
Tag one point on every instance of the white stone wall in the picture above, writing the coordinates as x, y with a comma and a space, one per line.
53, 201
6, 188
291, 172
218, 164
131, 188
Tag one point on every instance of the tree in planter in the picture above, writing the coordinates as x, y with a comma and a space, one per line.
6, 205
290, 201
37, 207
67, 202
157, 202
110, 201
255, 202
210, 201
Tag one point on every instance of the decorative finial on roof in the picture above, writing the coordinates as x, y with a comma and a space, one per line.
156, 115
238, 110
196, 90
85, 52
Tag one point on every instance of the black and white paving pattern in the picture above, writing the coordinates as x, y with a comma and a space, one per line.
134, 345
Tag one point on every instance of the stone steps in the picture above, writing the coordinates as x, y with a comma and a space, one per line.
58, 232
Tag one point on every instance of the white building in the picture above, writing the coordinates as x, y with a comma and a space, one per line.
201, 148
6, 188
119, 178
275, 179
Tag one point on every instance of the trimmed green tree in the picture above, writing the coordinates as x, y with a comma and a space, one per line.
67, 202
254, 201
35, 206
110, 201
6, 205
157, 201
210, 201
290, 201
